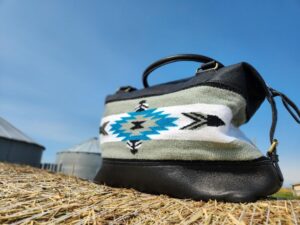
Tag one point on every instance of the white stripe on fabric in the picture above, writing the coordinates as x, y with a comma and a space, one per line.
223, 134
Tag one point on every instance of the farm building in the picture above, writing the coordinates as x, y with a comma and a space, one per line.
83, 160
17, 147
296, 189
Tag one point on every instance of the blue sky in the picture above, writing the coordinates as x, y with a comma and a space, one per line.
59, 59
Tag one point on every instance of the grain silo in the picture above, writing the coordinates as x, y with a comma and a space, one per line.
17, 147
296, 189
83, 160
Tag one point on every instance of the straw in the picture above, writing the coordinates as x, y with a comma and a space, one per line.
33, 196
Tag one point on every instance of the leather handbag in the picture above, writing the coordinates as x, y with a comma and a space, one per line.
182, 138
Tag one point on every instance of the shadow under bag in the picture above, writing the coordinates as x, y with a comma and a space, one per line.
182, 138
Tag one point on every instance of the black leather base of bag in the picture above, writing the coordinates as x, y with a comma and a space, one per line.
234, 181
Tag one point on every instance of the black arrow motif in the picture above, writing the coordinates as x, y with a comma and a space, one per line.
102, 128
134, 145
142, 106
199, 120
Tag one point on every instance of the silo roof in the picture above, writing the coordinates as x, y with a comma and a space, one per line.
8, 131
89, 146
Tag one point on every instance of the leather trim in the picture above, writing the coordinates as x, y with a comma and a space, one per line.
233, 181
166, 90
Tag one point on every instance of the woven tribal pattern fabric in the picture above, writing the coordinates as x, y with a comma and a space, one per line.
141, 125
197, 122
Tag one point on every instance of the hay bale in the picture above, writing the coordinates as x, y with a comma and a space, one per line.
31, 196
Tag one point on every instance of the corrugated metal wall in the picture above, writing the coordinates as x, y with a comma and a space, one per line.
20, 152
80, 164
296, 190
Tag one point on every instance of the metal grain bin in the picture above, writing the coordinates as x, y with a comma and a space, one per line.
83, 160
17, 147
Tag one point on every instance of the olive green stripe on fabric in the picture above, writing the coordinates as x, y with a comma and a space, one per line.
182, 150
201, 94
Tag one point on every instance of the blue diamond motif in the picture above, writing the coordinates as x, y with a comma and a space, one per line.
156, 120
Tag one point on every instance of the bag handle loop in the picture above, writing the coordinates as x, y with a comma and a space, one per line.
214, 64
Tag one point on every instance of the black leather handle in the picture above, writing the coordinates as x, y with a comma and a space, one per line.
176, 58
